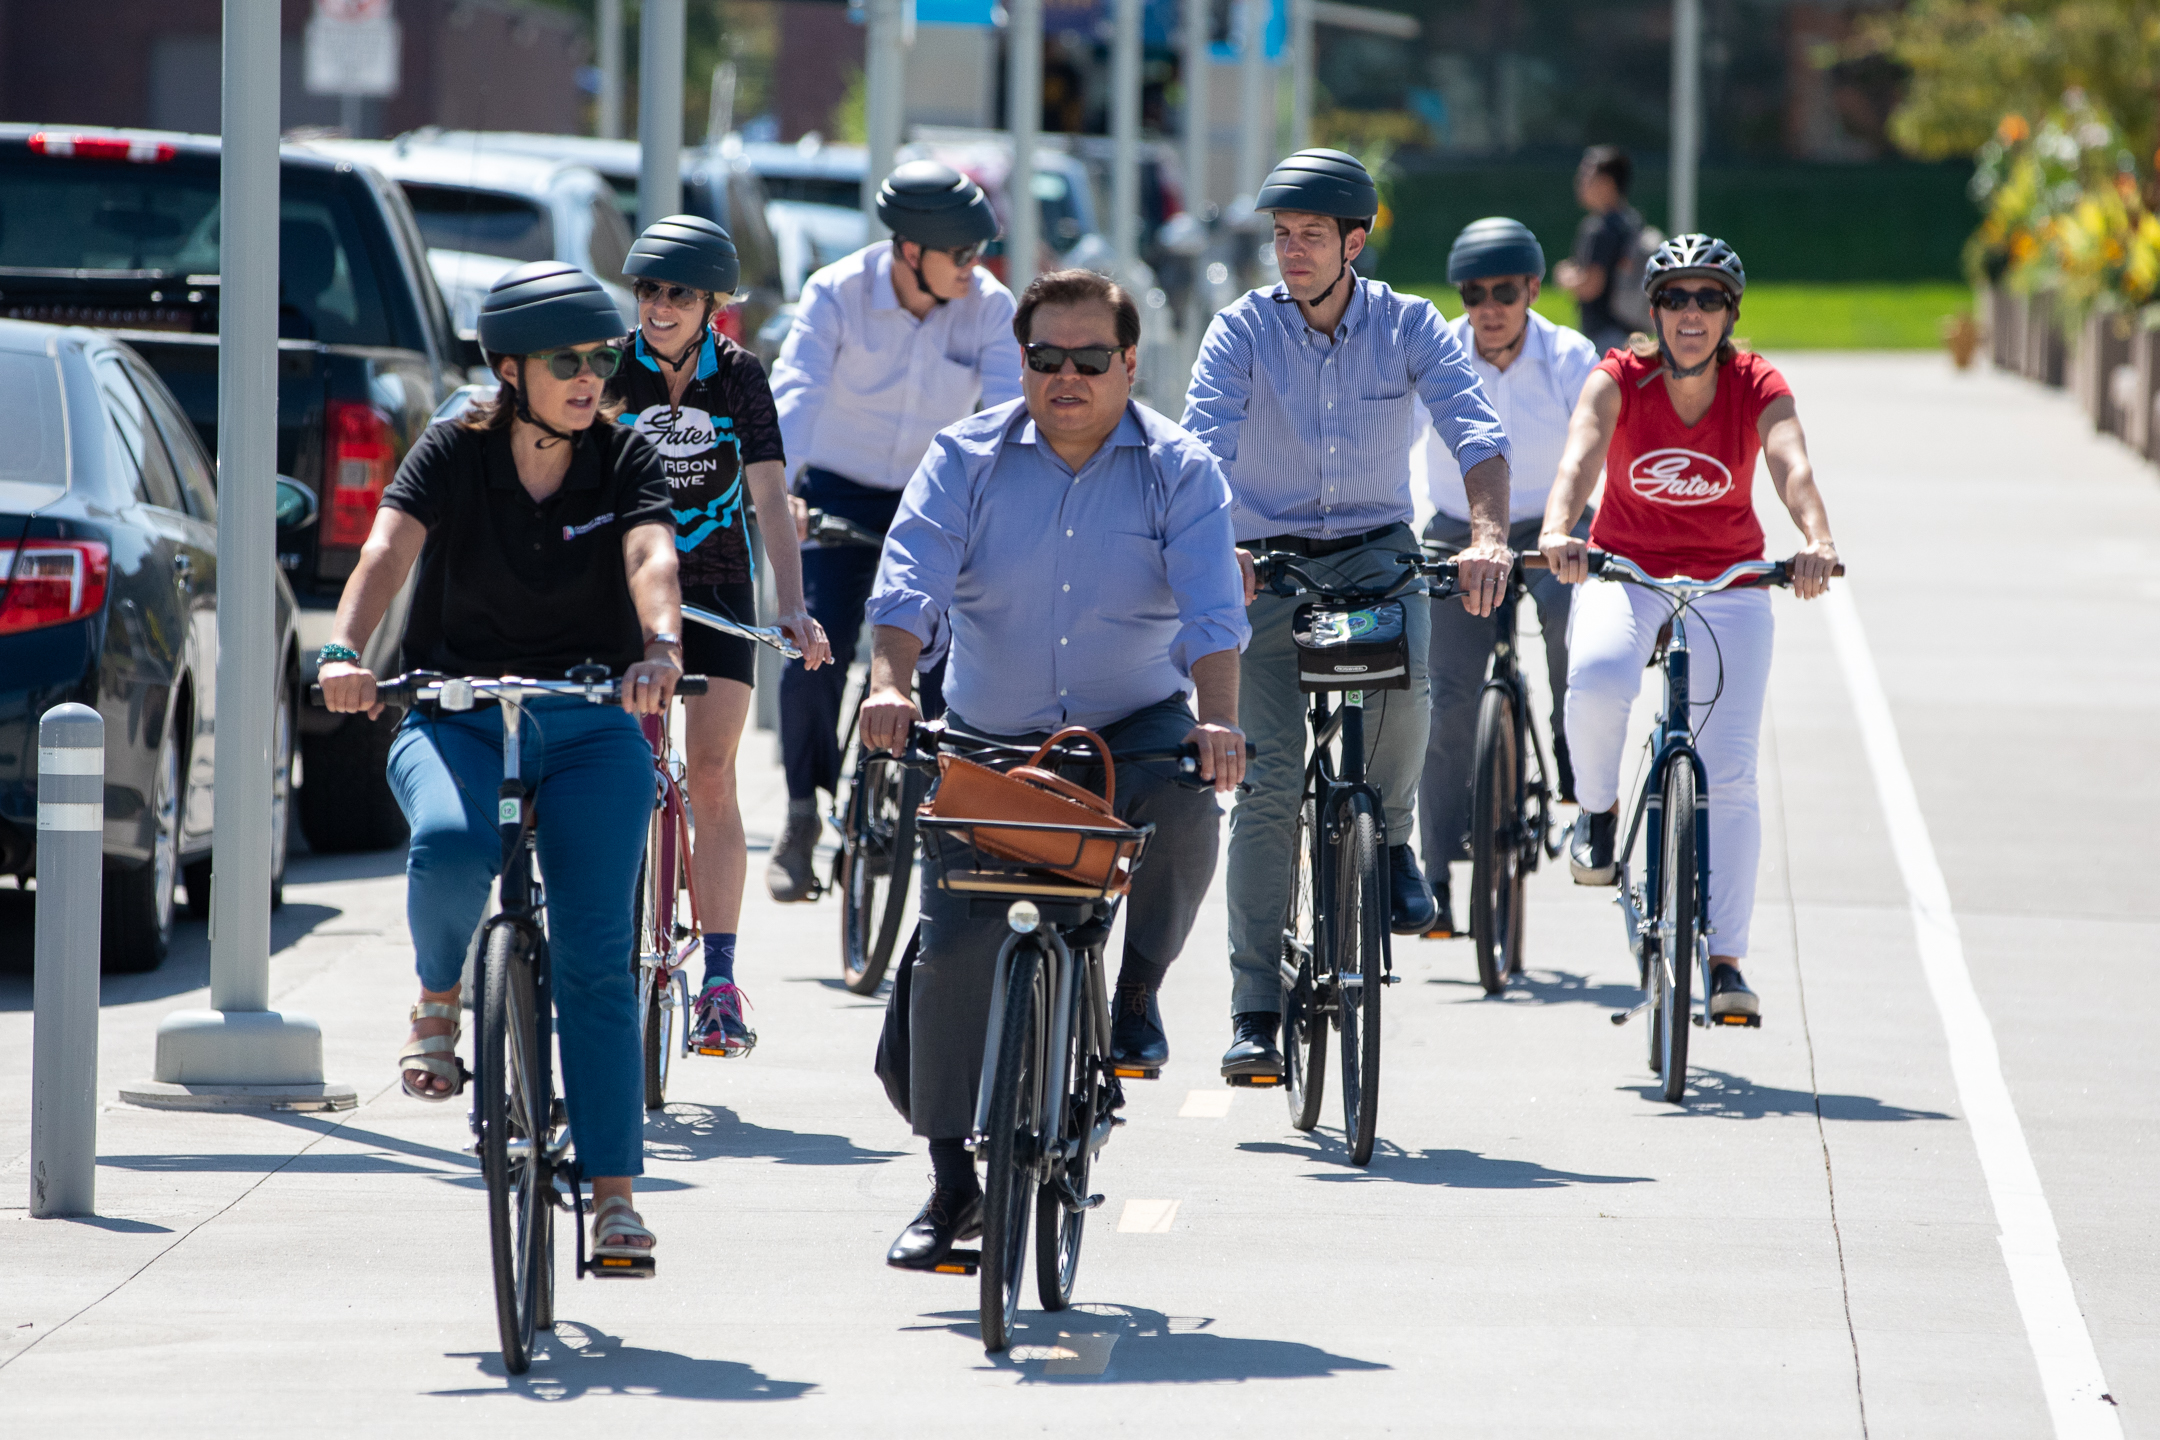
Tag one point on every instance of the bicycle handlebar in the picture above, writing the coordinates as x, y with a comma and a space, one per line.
757, 634
926, 737
420, 686
1607, 566
1282, 573
827, 528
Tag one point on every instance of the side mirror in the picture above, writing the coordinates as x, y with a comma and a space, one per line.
296, 506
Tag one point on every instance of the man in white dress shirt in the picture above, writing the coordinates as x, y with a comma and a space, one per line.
1532, 371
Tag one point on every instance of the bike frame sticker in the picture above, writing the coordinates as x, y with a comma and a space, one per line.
506, 812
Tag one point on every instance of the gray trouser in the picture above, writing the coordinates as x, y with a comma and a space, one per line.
1461, 643
950, 1001
1263, 827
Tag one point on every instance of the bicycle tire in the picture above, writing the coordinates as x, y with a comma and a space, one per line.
661, 1039
1676, 907
652, 934
513, 1137
1304, 1027
1058, 1229
1360, 922
1009, 1147
876, 861
1496, 869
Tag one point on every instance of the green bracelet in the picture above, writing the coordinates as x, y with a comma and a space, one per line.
335, 651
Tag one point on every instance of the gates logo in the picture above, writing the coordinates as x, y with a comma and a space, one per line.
1679, 477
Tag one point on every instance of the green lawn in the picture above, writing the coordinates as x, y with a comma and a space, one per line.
1808, 317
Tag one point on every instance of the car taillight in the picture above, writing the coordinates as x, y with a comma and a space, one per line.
359, 457
728, 322
51, 582
101, 147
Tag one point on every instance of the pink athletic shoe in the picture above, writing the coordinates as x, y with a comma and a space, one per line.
719, 1028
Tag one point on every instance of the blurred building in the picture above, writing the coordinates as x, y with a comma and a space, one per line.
480, 64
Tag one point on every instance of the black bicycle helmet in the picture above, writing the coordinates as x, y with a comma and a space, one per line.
546, 305
1693, 257
936, 207
1321, 182
1494, 246
686, 250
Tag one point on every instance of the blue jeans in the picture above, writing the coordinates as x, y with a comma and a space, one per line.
593, 780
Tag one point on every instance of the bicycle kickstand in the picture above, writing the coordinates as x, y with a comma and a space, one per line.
1621, 1017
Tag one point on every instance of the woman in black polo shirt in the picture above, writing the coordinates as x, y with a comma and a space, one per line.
703, 402
543, 541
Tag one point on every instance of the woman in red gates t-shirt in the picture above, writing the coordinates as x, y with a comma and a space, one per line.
1675, 432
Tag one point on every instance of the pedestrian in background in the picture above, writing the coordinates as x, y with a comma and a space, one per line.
1605, 271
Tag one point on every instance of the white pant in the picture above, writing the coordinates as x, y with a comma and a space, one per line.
1612, 629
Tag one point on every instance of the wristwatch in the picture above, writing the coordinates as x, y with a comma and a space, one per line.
664, 637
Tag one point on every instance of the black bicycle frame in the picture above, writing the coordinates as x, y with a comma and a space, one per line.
1671, 742
1331, 800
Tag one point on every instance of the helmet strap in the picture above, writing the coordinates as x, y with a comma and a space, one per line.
1286, 298
915, 265
524, 413
1672, 365
695, 344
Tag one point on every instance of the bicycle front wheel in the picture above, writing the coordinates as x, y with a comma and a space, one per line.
1673, 970
1496, 873
514, 1108
877, 858
1304, 1027
1075, 1095
1360, 933
1012, 1143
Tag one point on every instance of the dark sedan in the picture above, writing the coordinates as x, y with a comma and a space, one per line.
108, 596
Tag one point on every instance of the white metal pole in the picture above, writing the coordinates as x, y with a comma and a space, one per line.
884, 94
1301, 73
1256, 98
1023, 112
1686, 112
660, 110
1193, 73
70, 907
1125, 132
608, 22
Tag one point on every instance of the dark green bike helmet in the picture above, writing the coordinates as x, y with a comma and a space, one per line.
1321, 182
686, 250
1494, 246
936, 207
546, 305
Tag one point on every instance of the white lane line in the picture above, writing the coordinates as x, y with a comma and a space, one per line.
1205, 1105
2070, 1375
1147, 1217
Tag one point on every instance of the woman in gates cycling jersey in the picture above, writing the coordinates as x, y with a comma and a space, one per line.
1676, 432
702, 400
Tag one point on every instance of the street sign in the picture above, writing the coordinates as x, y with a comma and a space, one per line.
352, 49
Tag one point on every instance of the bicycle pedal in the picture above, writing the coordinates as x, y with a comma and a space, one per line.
958, 1262
1752, 1022
1134, 1072
621, 1267
1258, 1082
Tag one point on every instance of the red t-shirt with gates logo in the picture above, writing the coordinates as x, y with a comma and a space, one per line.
1679, 499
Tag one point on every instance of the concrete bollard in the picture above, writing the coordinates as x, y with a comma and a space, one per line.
70, 903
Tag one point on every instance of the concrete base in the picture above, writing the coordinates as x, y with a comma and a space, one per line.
159, 1095
239, 1047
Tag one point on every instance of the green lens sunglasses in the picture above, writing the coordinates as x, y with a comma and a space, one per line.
565, 364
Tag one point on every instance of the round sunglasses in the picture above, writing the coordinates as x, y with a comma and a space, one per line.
1709, 300
1087, 359
682, 297
1507, 292
565, 364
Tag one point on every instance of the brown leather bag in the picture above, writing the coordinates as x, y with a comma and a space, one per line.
1030, 794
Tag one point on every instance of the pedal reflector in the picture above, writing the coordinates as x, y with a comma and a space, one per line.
959, 1262
1753, 1022
1254, 1081
1124, 1072
621, 1267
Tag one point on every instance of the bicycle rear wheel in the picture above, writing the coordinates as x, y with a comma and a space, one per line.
663, 1028
1360, 925
1672, 971
1075, 1096
1011, 1144
1304, 1028
877, 857
514, 1109
1496, 871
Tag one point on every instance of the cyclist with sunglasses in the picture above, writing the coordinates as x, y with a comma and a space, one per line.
1675, 431
702, 401
1532, 371
543, 541
890, 346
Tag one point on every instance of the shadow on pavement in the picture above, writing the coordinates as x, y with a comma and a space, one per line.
581, 1360
1104, 1344
1714, 1094
186, 967
115, 1224
686, 1131
1550, 987
1456, 1169
329, 869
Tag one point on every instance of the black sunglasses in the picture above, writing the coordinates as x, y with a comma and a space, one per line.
679, 296
1709, 300
1507, 292
967, 255
565, 364
1087, 359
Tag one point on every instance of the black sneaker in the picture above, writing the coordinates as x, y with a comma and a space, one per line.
929, 1237
787, 869
1443, 925
1411, 910
1729, 994
1590, 848
1137, 1040
1566, 768
1253, 1053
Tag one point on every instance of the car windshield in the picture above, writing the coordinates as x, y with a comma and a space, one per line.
486, 222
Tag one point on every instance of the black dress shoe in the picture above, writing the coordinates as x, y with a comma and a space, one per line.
1137, 1041
1410, 905
1254, 1052
929, 1237
1443, 925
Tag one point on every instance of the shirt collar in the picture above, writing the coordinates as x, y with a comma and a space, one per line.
1354, 315
708, 360
501, 465
1128, 432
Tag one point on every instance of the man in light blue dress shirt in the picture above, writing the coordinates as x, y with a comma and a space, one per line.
1073, 554
1304, 392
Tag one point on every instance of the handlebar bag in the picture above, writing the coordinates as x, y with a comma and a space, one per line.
1344, 647
1030, 794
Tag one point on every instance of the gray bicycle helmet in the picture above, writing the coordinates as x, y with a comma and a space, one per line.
1494, 246
1321, 182
936, 207
546, 305
1693, 257
686, 250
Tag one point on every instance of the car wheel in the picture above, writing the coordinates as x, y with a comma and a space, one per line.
346, 803
138, 920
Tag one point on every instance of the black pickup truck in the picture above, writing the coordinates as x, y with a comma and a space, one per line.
118, 229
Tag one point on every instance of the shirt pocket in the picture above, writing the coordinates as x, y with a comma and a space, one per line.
949, 388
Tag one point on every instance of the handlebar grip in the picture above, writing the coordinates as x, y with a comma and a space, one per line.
1535, 560
399, 695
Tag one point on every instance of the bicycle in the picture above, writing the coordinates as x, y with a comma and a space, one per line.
1338, 953
520, 1127
667, 937
1512, 824
1049, 1094
1664, 911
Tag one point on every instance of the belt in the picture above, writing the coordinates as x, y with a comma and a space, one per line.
1311, 547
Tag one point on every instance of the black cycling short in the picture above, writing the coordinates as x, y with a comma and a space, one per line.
708, 652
